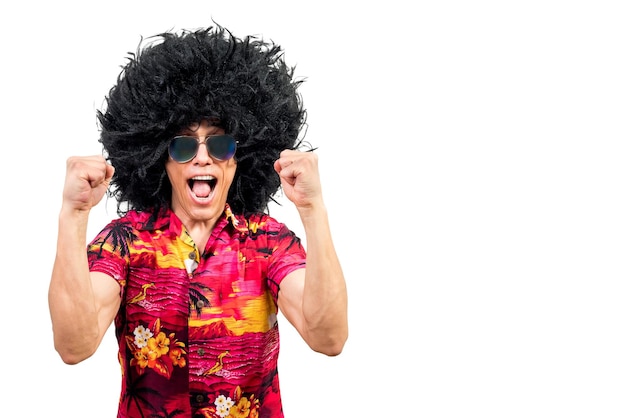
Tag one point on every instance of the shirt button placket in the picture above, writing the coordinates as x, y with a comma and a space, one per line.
191, 263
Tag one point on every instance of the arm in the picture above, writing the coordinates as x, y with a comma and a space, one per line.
314, 299
82, 305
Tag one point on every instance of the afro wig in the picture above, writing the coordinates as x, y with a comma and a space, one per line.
178, 79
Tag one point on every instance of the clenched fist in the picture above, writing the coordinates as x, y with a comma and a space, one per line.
86, 181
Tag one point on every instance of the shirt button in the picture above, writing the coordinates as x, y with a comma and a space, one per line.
201, 351
199, 398
192, 255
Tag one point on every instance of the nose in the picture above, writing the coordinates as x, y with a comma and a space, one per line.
202, 156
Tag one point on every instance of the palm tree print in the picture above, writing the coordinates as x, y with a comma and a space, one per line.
119, 235
196, 294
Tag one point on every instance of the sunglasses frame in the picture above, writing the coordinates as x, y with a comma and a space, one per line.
206, 142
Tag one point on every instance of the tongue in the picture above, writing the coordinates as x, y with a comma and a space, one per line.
201, 188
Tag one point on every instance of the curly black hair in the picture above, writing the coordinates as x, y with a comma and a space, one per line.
177, 79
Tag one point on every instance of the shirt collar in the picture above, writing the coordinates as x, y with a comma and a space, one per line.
165, 218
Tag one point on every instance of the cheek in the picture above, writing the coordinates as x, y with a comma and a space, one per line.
173, 175
229, 174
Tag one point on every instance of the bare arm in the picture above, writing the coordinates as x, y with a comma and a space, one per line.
314, 299
82, 305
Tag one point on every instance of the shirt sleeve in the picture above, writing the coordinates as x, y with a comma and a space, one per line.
288, 255
108, 253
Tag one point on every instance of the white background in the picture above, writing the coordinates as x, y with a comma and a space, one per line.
472, 155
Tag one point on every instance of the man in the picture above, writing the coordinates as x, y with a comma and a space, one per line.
199, 133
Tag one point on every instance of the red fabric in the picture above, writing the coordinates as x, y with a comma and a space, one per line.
203, 342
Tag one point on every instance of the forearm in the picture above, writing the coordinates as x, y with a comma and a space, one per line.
324, 302
70, 296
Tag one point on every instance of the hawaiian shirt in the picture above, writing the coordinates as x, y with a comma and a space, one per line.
197, 333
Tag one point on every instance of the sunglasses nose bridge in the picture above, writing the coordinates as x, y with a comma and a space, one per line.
205, 154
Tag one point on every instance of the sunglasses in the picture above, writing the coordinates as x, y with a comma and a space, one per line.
184, 148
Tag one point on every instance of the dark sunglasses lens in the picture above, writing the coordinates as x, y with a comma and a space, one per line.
183, 148
222, 147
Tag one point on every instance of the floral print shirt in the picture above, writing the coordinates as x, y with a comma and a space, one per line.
197, 333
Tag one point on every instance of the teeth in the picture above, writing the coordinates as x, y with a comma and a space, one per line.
203, 178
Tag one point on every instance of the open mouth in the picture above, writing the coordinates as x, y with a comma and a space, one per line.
202, 186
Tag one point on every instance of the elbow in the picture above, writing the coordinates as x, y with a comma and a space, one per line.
332, 350
72, 358
331, 346
73, 355
328, 340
